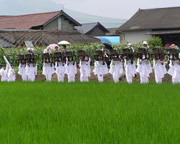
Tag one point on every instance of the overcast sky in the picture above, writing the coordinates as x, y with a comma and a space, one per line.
107, 8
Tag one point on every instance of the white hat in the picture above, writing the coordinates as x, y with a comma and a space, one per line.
145, 43
129, 44
48, 48
30, 49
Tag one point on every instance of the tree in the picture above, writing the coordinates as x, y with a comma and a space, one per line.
155, 42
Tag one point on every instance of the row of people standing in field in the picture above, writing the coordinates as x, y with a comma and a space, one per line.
143, 65
65, 63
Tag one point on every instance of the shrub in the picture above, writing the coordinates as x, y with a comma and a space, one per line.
155, 42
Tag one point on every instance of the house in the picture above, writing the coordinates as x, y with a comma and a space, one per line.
41, 28
146, 23
92, 29
57, 20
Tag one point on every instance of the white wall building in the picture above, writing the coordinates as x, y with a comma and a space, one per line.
144, 24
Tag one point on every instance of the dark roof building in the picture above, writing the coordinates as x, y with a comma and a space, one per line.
16, 38
162, 22
58, 20
113, 32
93, 29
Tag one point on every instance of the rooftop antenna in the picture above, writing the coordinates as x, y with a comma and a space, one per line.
63, 7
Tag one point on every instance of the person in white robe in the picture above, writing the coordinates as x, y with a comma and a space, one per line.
144, 69
116, 69
48, 71
85, 69
174, 71
11, 74
60, 71
48, 67
144, 65
100, 65
100, 69
30, 68
59, 66
4, 74
71, 70
129, 64
31, 72
130, 69
22, 71
159, 70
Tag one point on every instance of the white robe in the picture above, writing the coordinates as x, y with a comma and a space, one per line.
48, 71
159, 70
85, 70
116, 70
100, 69
11, 75
31, 72
71, 71
60, 71
22, 72
130, 70
4, 75
144, 69
174, 71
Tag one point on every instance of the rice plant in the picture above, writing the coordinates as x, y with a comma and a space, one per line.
89, 113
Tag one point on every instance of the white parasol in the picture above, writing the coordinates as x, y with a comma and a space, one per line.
53, 46
63, 43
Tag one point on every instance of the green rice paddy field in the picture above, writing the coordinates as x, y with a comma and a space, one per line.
89, 113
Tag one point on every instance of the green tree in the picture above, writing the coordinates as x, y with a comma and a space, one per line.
155, 42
